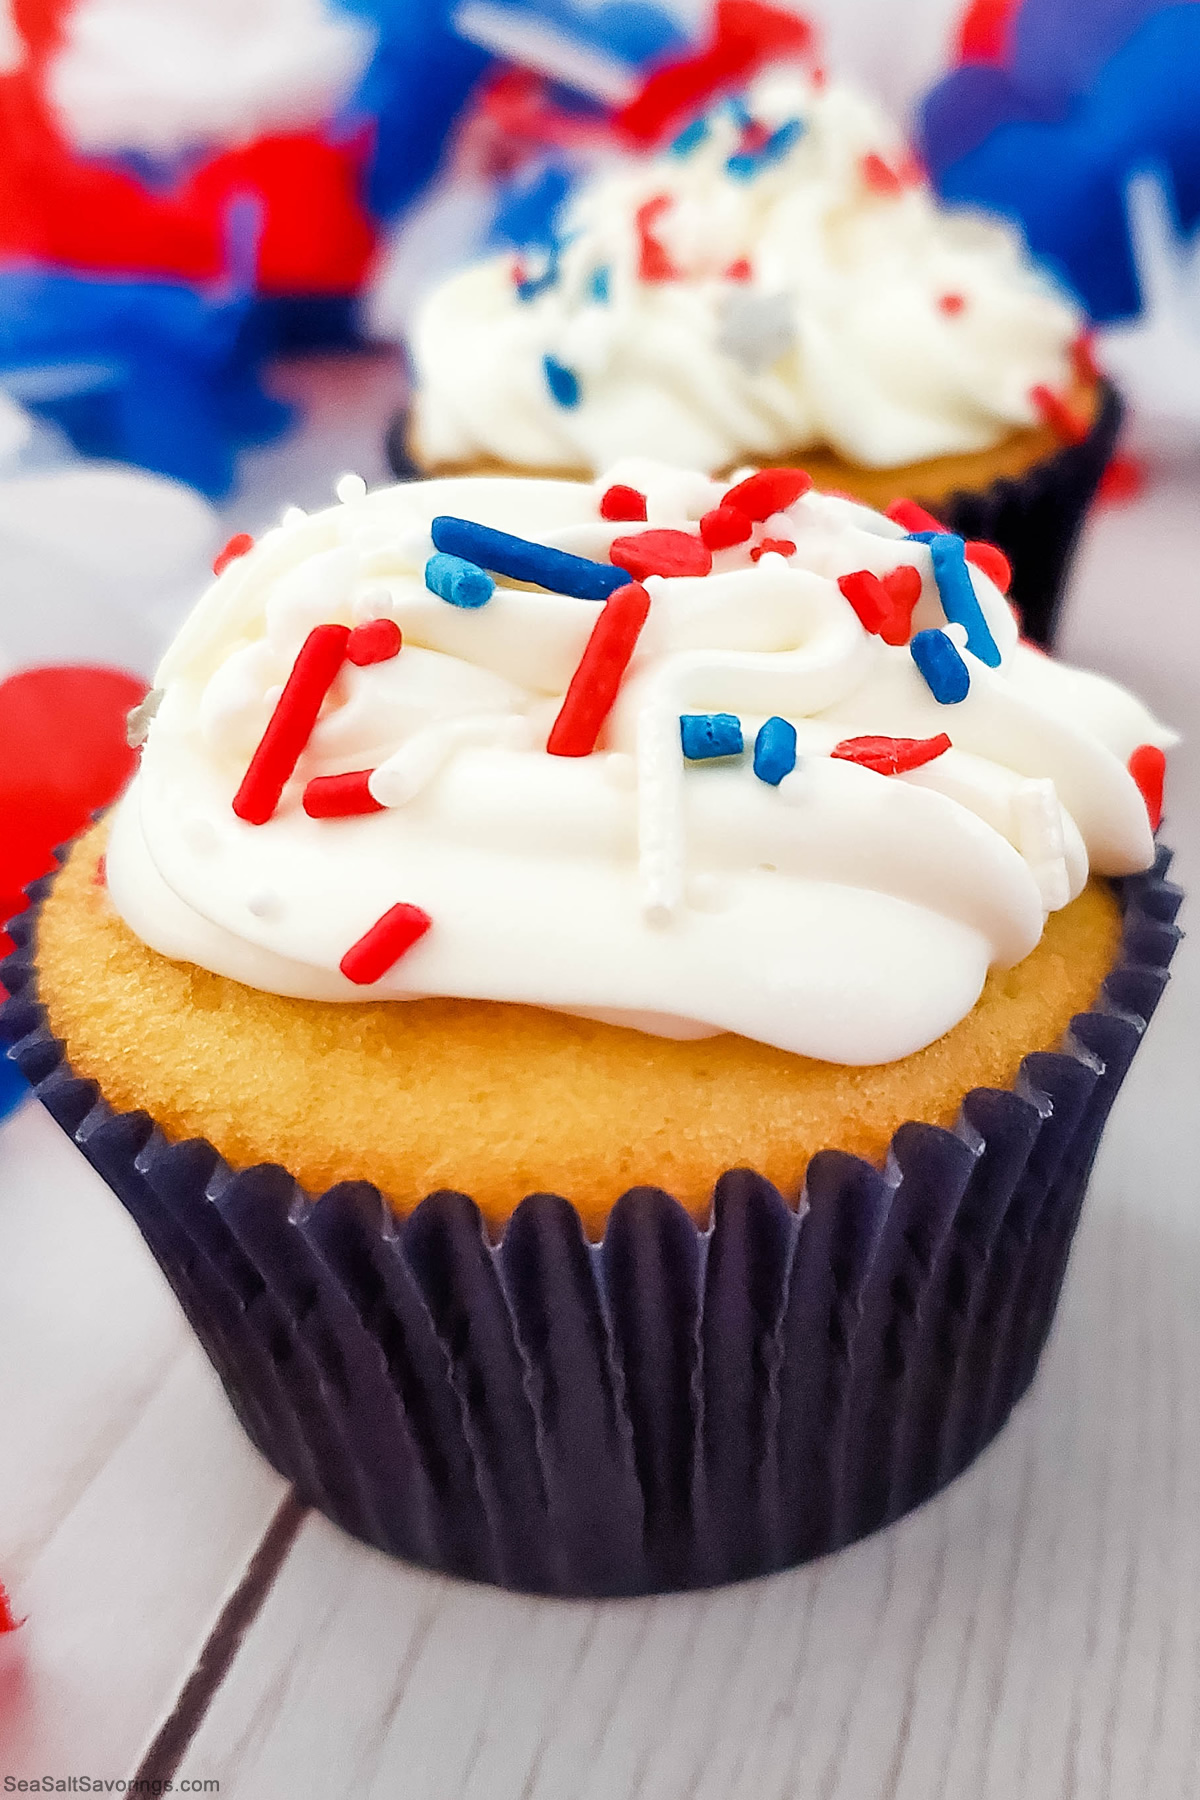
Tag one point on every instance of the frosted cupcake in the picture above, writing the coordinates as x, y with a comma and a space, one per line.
559, 896
780, 286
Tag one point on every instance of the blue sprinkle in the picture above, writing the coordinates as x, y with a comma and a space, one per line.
924, 537
688, 139
742, 116
960, 603
710, 734
562, 382
775, 751
537, 284
946, 674
747, 163
461, 583
598, 286
523, 560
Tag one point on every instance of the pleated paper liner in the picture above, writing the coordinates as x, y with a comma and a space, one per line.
1035, 518
675, 1406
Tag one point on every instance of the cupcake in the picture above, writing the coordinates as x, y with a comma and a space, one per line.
781, 285
602, 999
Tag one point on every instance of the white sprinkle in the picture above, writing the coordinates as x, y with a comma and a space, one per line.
264, 904
293, 515
1040, 839
372, 603
350, 487
957, 635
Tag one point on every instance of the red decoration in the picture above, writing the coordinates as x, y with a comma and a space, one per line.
746, 34
869, 598
992, 560
238, 545
903, 589
777, 546
1083, 358
889, 755
654, 263
725, 526
375, 641
1053, 411
381, 948
1148, 766
739, 270
913, 517
770, 491
8, 1621
1124, 478
340, 796
879, 175
951, 304
63, 755
596, 681
271, 767
985, 35
661, 553
620, 502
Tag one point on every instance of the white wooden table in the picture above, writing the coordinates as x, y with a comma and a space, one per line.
1032, 1632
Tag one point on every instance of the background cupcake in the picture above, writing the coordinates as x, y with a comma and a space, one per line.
438, 875
779, 286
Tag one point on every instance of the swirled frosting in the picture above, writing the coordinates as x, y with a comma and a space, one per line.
781, 279
837, 911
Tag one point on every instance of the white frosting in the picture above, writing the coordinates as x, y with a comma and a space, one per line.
842, 914
839, 336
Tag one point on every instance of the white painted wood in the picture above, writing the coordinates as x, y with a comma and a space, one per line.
1032, 1634
130, 1502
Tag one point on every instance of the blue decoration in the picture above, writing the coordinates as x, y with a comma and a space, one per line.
530, 288
690, 138
461, 583
745, 164
599, 287
706, 735
523, 560
527, 217
775, 751
562, 382
946, 674
924, 537
960, 603
13, 1086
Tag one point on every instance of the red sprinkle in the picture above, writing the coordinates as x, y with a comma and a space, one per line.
8, 1621
381, 948
620, 502
661, 553
725, 526
755, 137
951, 304
1124, 478
239, 543
992, 560
340, 796
100, 872
378, 640
654, 264
913, 517
869, 598
889, 755
879, 176
1083, 358
1148, 766
739, 270
1053, 411
903, 588
770, 491
780, 547
594, 685
290, 726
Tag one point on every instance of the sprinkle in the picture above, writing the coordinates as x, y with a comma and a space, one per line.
621, 502
705, 735
885, 606
757, 153
775, 751
879, 176
562, 382
654, 264
1053, 411
869, 598
594, 685
946, 674
690, 138
739, 270
379, 949
890, 755
375, 641
1083, 359
529, 287
349, 488
8, 1620
912, 517
522, 560
1123, 479
661, 553
951, 304
773, 547
960, 603
599, 287
1148, 766
291, 723
340, 796
239, 543
461, 583
991, 560
725, 526
100, 872
770, 491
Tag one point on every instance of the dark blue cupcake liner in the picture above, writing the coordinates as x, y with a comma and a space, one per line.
675, 1406
1035, 518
